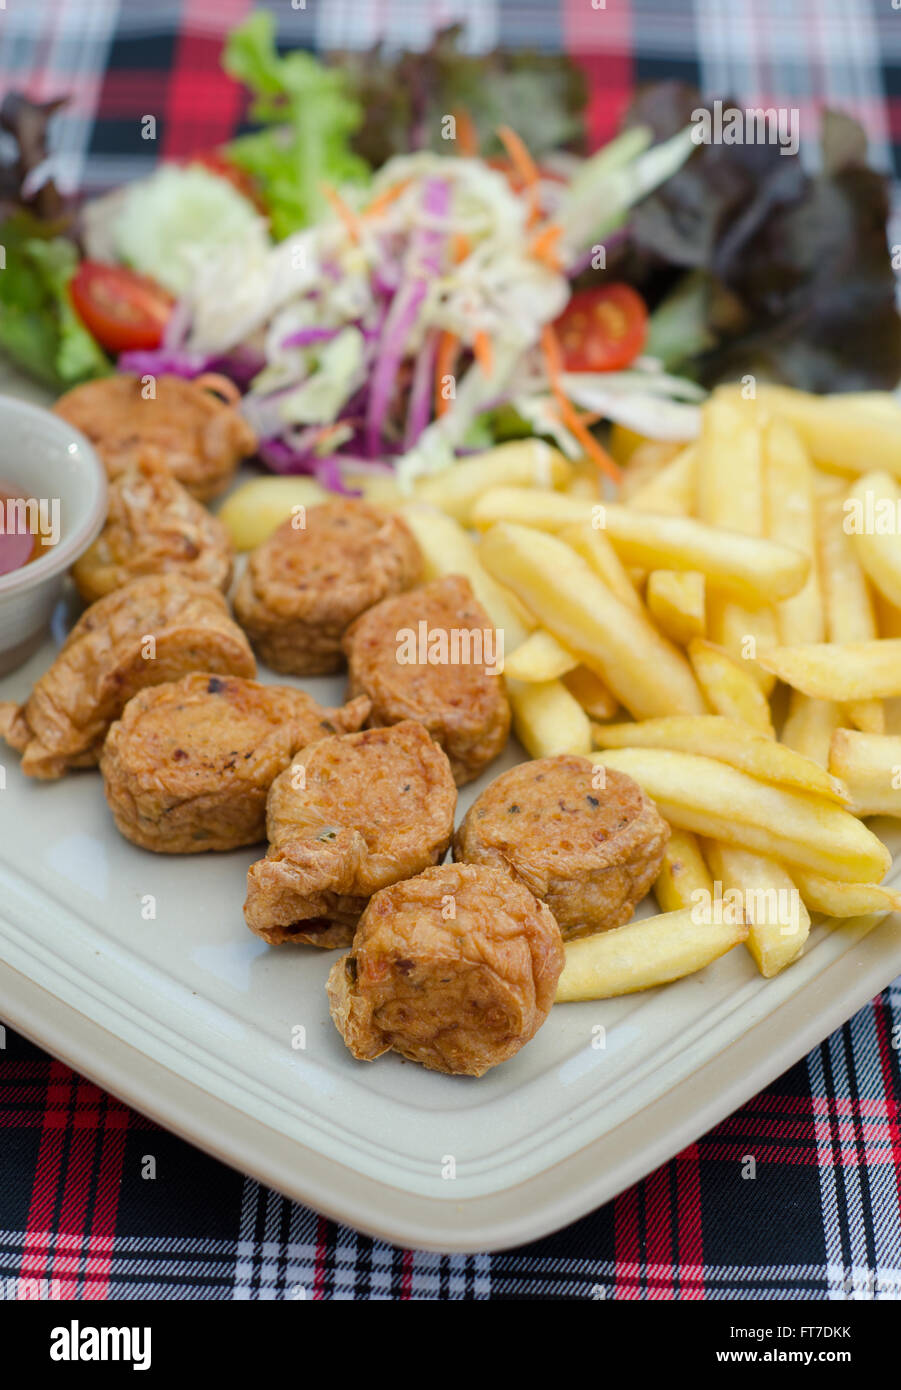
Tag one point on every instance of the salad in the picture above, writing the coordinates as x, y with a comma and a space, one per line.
399, 266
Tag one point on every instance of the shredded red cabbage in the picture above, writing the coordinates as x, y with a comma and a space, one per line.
424, 260
419, 406
305, 337
241, 365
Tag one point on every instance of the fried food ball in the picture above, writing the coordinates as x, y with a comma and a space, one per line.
304, 585
352, 815
199, 437
189, 765
456, 969
153, 526
415, 656
591, 852
150, 631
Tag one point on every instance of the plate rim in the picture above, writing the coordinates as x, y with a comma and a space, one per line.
529, 1210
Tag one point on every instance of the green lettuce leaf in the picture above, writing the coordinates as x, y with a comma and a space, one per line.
308, 118
39, 328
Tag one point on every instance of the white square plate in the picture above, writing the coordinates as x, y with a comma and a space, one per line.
194, 1021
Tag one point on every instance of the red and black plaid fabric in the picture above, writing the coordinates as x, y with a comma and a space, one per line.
797, 1195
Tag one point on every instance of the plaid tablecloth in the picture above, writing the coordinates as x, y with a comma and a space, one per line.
822, 1218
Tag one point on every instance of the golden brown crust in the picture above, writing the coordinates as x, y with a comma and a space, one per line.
304, 585
153, 526
351, 815
189, 765
590, 851
461, 702
148, 632
456, 969
197, 436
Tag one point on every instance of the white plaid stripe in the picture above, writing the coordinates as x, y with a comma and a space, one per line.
404, 23
881, 1184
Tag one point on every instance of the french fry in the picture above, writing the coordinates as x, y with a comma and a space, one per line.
729, 461
749, 569
778, 922
381, 489
448, 549
672, 490
872, 512
722, 803
888, 617
646, 462
548, 720
730, 494
847, 671
644, 671
809, 726
849, 615
591, 693
791, 520
871, 767
520, 463
841, 435
728, 687
539, 658
254, 510
648, 952
596, 551
844, 899
682, 873
623, 442
732, 742
550, 511
584, 487
676, 600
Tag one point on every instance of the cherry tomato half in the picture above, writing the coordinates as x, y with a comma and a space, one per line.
602, 330
123, 310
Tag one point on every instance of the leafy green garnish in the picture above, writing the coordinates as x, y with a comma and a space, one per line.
309, 117
789, 276
39, 328
407, 97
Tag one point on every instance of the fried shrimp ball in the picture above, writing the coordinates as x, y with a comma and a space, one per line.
351, 815
305, 585
189, 765
153, 526
456, 969
590, 851
199, 437
148, 632
430, 655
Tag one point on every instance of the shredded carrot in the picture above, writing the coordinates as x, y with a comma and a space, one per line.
467, 134
445, 358
569, 415
544, 246
344, 211
524, 165
483, 348
460, 247
386, 198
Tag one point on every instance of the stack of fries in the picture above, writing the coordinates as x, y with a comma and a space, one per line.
727, 632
